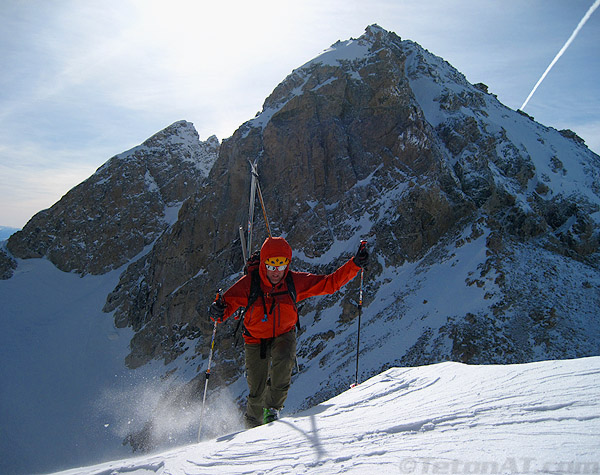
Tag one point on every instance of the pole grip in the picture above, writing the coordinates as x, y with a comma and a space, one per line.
360, 294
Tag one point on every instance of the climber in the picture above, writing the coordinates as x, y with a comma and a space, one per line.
270, 321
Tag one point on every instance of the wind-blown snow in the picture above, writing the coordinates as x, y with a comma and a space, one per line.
446, 418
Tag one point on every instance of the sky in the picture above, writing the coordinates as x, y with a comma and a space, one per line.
83, 81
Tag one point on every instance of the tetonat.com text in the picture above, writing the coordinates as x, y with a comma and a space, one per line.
521, 465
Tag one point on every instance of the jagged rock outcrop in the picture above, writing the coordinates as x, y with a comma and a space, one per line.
111, 217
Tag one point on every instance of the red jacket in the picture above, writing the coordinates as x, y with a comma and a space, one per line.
278, 314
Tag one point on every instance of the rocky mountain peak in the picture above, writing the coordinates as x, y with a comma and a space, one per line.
345, 57
380, 37
112, 216
375, 137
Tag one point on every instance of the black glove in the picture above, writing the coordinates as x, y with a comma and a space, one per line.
217, 310
362, 255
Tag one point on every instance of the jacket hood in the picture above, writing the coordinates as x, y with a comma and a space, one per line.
273, 247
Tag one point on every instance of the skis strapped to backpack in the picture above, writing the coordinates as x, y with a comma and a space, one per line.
252, 262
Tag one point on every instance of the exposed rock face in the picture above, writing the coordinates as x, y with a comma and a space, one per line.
338, 138
374, 138
107, 220
7, 265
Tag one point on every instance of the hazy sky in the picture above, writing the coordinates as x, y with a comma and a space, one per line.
83, 80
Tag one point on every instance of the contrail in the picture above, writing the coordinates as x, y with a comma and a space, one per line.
563, 49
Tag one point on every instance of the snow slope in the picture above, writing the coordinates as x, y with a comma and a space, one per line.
59, 353
446, 418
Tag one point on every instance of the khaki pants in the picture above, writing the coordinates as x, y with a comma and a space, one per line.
278, 363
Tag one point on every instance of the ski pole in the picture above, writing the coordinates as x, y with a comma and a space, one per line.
360, 302
240, 312
210, 355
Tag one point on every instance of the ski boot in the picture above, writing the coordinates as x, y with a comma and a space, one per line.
269, 415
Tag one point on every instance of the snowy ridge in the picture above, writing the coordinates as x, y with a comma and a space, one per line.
563, 165
183, 138
352, 51
349, 55
341, 53
445, 418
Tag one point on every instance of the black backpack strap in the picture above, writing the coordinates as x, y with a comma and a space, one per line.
254, 294
289, 280
255, 290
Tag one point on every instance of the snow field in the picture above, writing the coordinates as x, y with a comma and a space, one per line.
445, 418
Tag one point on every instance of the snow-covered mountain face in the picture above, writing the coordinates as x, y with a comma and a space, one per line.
111, 217
482, 225
376, 138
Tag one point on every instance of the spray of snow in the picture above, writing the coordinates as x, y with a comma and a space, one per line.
585, 18
156, 414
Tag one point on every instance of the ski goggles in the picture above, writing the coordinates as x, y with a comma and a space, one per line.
277, 263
